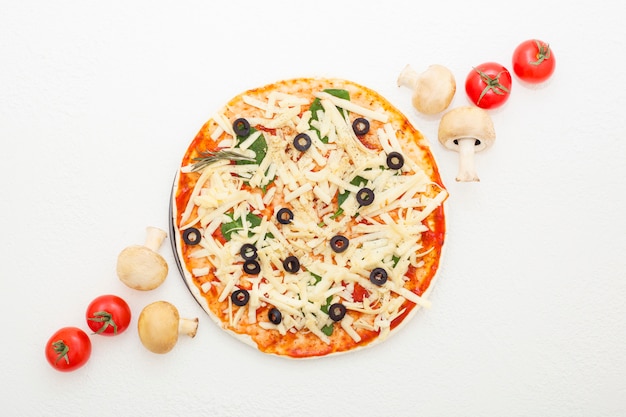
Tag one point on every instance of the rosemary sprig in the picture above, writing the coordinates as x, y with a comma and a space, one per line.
209, 157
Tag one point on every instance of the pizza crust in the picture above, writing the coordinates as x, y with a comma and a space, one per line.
297, 343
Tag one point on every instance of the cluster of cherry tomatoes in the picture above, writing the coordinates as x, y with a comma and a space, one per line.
488, 85
69, 348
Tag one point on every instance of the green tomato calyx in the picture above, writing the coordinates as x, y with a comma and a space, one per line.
61, 349
543, 53
106, 318
492, 84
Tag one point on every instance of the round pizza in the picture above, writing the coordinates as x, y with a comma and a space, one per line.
308, 218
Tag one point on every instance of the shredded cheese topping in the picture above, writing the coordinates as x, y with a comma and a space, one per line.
385, 234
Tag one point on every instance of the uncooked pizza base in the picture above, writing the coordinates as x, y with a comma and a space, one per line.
282, 121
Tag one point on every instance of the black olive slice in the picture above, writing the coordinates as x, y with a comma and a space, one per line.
339, 243
365, 196
248, 251
284, 216
336, 311
360, 126
291, 264
192, 236
378, 276
275, 315
252, 267
240, 297
241, 127
395, 160
302, 142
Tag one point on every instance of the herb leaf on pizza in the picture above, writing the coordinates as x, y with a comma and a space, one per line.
308, 217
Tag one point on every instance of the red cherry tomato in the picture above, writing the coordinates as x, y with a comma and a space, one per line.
108, 315
533, 61
68, 349
488, 85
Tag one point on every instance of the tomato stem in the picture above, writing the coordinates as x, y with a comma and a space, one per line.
492, 84
106, 318
61, 349
543, 53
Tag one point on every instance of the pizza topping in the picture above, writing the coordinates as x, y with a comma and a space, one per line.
252, 267
284, 215
210, 157
192, 236
302, 142
339, 243
378, 276
395, 160
240, 297
291, 264
365, 196
275, 316
360, 126
142, 267
348, 105
248, 251
466, 130
159, 325
337, 311
241, 127
433, 89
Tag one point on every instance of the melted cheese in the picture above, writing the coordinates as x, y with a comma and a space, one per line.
386, 234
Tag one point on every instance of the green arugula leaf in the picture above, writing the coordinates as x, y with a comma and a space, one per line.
235, 226
264, 186
317, 105
317, 278
338, 213
326, 306
328, 329
259, 147
342, 197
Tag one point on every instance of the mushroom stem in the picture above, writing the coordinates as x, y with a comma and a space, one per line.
408, 77
467, 171
188, 326
154, 238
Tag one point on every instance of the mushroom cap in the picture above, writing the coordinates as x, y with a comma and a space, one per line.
141, 268
158, 326
435, 89
466, 122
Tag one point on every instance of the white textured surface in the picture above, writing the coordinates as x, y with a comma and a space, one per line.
98, 101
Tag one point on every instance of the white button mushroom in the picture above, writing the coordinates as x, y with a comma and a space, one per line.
433, 89
466, 130
159, 325
141, 267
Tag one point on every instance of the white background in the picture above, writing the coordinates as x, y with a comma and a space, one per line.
99, 100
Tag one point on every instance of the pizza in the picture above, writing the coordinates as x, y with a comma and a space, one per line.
308, 219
